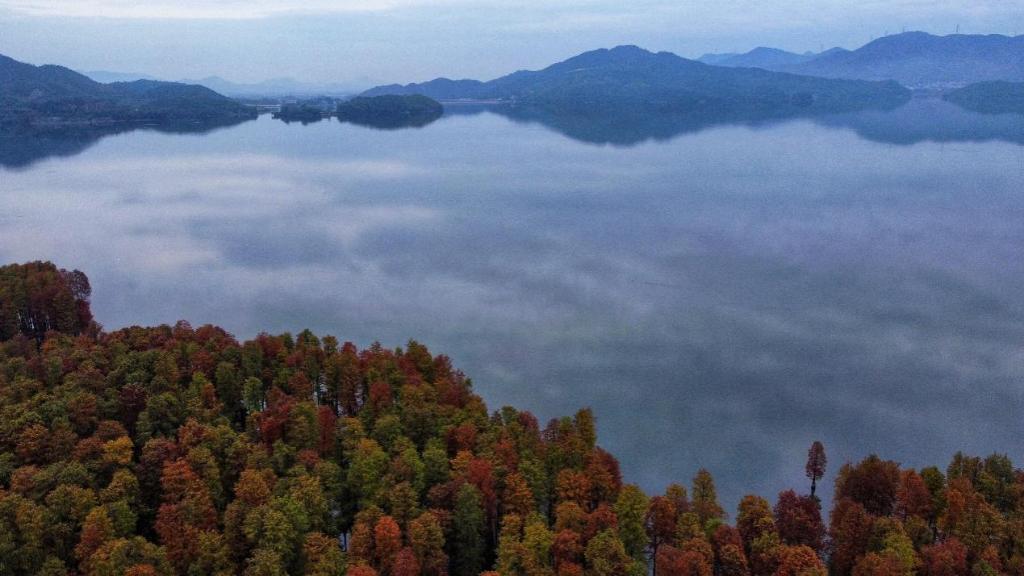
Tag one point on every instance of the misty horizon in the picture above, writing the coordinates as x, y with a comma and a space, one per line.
369, 42
367, 81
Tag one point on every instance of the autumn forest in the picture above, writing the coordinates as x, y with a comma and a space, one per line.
178, 450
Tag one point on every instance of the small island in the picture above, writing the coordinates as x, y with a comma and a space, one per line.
382, 112
303, 113
390, 111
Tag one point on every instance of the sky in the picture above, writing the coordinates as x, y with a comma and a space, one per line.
364, 42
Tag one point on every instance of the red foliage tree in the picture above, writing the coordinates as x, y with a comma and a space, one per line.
567, 548
387, 541
816, 462
462, 438
381, 396
480, 473
570, 569
517, 498
274, 419
799, 561
406, 563
875, 564
662, 517
601, 519
912, 496
187, 511
326, 423
947, 558
602, 469
573, 486
671, 561
872, 483
850, 529
798, 520
729, 554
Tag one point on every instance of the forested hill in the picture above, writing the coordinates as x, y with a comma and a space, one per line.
33, 95
914, 59
630, 77
922, 60
177, 450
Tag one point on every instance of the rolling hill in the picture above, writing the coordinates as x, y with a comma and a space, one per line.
438, 89
921, 60
54, 95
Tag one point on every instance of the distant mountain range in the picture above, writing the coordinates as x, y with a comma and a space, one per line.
276, 87
633, 77
917, 59
914, 59
104, 77
763, 57
54, 95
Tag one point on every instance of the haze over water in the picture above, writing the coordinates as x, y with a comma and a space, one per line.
720, 298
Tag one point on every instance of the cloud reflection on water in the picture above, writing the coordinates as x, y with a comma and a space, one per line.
720, 300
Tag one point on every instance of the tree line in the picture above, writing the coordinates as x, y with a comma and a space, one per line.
176, 450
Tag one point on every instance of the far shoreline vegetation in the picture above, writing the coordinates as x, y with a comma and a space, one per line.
383, 112
176, 450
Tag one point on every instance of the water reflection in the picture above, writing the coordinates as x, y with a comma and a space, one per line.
631, 127
931, 120
395, 122
21, 147
920, 120
720, 299
399, 123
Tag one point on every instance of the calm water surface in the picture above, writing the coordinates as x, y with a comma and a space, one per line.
720, 295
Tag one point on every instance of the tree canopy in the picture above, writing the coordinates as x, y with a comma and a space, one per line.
178, 450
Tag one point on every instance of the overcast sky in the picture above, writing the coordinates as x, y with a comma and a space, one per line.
369, 41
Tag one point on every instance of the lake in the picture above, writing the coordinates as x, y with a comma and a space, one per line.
721, 294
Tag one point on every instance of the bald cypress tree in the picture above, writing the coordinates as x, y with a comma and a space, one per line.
816, 462
705, 498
